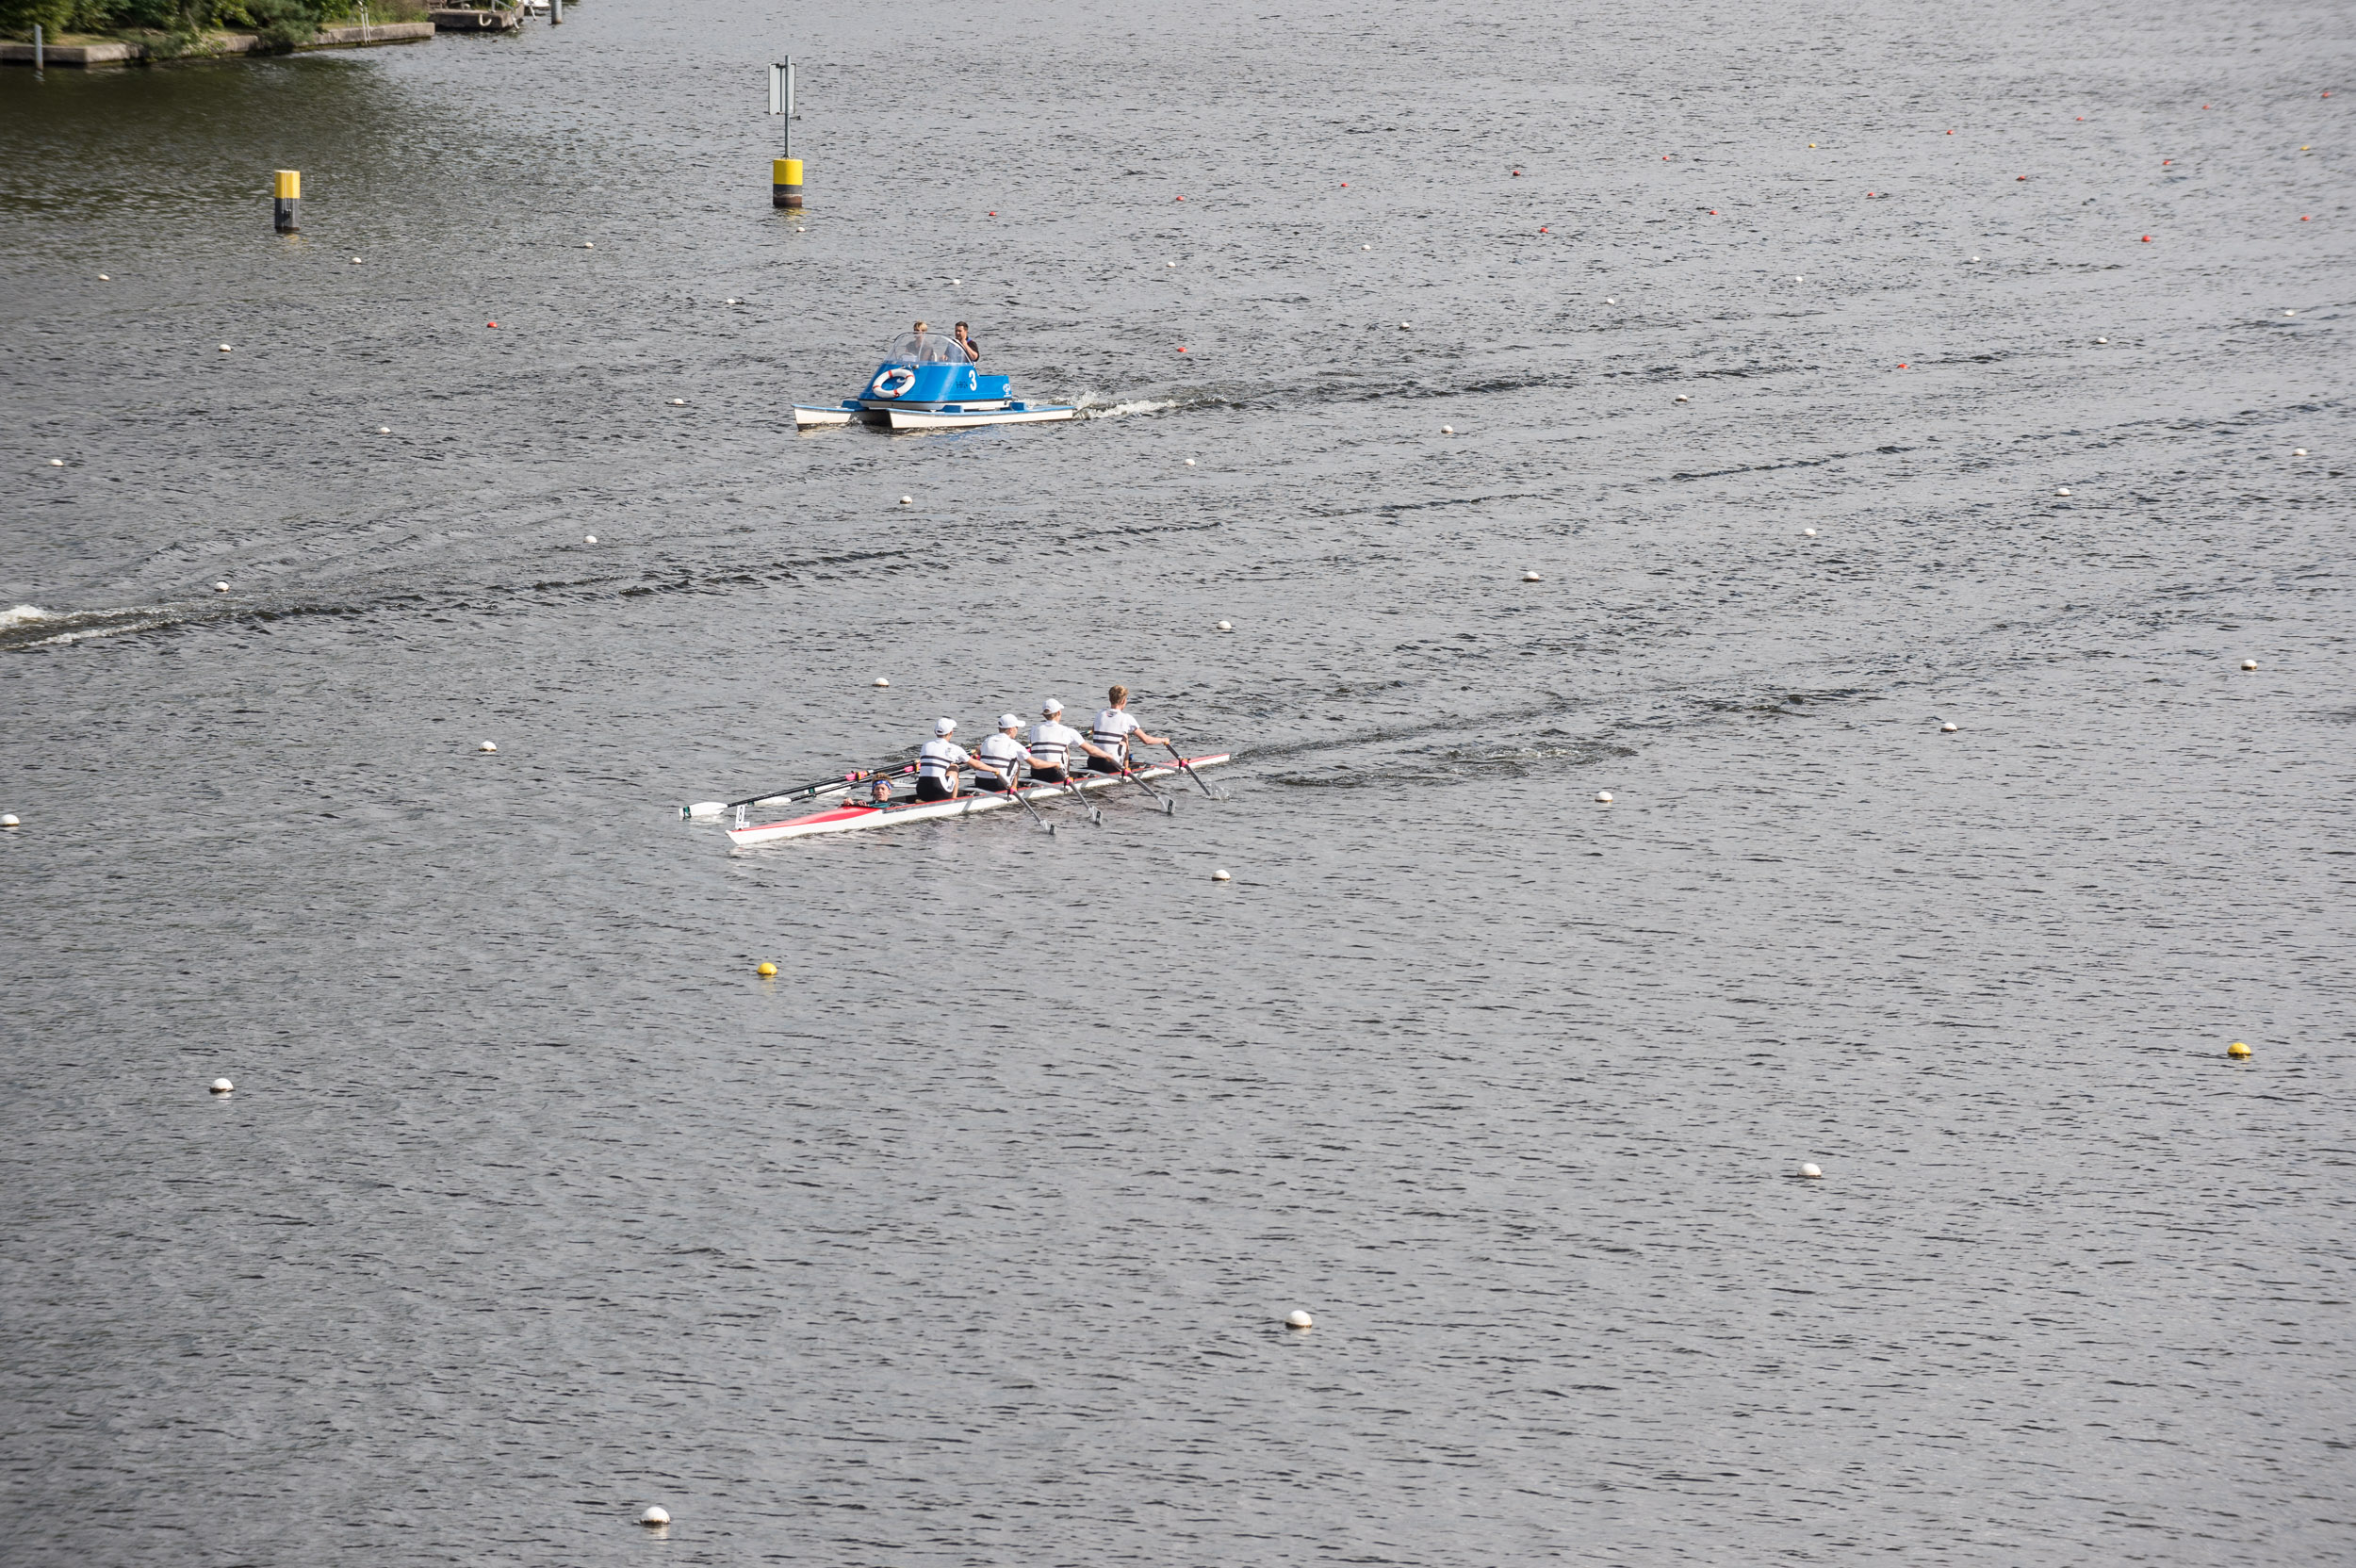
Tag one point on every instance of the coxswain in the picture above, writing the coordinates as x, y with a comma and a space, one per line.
1052, 742
998, 759
1112, 732
938, 762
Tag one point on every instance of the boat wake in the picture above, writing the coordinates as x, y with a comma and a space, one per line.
1090, 409
29, 626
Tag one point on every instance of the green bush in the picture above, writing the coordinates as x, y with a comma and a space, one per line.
280, 24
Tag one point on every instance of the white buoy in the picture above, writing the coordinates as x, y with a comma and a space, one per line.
1947, 728
679, 403
1221, 875
1407, 326
588, 245
1808, 534
8, 820
1531, 577
953, 283
1603, 797
883, 680
1173, 264
1683, 399
1811, 1172
1299, 1319
588, 538
734, 302
1611, 302
220, 587
221, 1085
488, 745
1975, 258
655, 1515
2061, 492
1225, 626
2298, 452
384, 429
1190, 463
2102, 340
103, 278
57, 462
1366, 247
225, 348
2250, 663
907, 500
2290, 313
1448, 429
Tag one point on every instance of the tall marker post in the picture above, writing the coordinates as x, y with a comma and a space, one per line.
785, 173
289, 198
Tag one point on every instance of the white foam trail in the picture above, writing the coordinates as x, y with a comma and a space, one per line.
1145, 405
22, 614
91, 634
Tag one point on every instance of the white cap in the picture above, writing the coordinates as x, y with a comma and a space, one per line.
943, 726
1008, 721
1051, 706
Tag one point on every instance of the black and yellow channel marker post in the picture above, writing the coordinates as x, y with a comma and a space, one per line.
289, 198
785, 173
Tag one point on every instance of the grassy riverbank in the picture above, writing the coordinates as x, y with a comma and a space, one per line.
169, 28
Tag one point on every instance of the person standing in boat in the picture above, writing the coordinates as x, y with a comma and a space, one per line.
973, 350
938, 762
998, 759
1052, 742
1112, 732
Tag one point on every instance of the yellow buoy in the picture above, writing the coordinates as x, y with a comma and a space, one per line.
2237, 1049
767, 970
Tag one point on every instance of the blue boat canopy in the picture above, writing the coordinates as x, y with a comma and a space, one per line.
926, 347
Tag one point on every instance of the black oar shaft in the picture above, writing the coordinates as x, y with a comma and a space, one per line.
857, 775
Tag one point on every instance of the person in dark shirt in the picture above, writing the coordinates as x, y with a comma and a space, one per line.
973, 349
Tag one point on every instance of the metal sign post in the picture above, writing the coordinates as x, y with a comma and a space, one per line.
781, 99
785, 172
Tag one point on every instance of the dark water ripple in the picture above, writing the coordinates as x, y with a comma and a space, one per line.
966, 1240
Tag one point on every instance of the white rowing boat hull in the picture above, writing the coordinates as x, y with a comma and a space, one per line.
852, 818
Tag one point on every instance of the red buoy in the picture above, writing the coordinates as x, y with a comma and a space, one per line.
1182, 348
1902, 365
490, 323
2020, 176
2147, 239
1542, 228
2303, 218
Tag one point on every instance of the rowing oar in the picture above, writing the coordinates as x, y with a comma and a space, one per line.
1081, 795
1187, 768
1014, 788
857, 775
1169, 806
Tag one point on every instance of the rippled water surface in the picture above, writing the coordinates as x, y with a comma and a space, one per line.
967, 1239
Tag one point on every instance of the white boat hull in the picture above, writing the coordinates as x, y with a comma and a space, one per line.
806, 417
934, 418
852, 816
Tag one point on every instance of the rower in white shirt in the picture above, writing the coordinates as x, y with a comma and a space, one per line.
1053, 741
938, 762
998, 760
1112, 732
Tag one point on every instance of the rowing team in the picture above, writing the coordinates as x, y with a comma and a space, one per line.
1051, 751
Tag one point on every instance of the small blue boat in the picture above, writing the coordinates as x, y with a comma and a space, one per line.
927, 381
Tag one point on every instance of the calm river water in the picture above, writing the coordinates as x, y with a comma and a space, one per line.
968, 1239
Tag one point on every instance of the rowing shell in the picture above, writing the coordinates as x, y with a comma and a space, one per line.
849, 817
